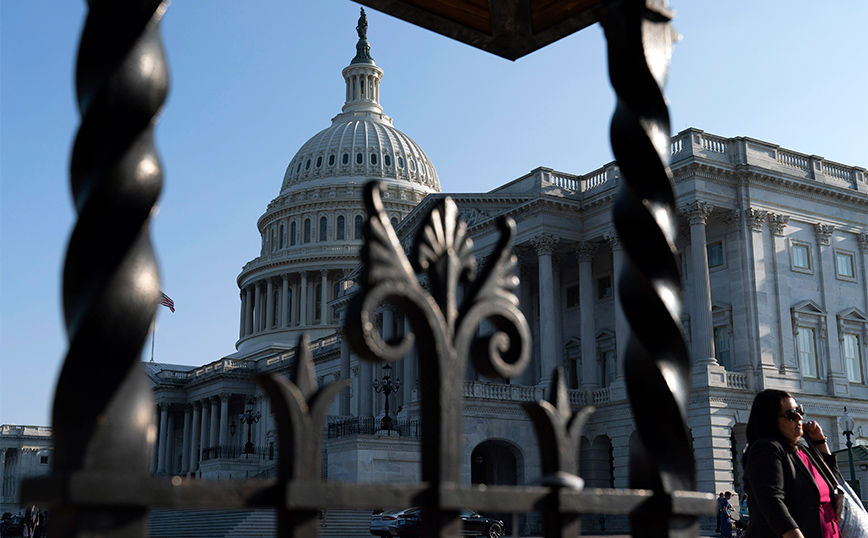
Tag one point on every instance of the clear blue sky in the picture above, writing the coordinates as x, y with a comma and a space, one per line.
252, 81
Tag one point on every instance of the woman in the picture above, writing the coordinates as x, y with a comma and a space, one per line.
788, 493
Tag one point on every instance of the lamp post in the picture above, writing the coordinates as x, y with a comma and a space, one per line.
386, 387
250, 418
847, 425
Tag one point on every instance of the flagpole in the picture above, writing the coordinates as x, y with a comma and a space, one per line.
153, 336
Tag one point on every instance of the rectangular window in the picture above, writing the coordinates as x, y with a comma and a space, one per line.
722, 347
807, 352
715, 254
43, 460
844, 265
801, 256
572, 296
604, 287
608, 373
853, 358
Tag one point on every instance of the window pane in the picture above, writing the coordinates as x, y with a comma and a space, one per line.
358, 227
340, 228
852, 358
721, 347
715, 254
807, 353
800, 257
292, 233
604, 287
845, 264
323, 229
307, 230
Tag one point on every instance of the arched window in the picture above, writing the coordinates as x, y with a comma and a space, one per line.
281, 235
307, 230
373, 158
400, 162
273, 239
339, 231
307, 165
360, 158
276, 321
292, 233
331, 160
387, 159
319, 161
358, 227
394, 221
346, 158
298, 168
317, 302
288, 306
323, 229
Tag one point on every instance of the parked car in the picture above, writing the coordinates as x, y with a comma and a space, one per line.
14, 527
386, 523
474, 524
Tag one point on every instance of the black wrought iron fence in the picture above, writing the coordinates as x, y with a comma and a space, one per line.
100, 484
239, 452
345, 426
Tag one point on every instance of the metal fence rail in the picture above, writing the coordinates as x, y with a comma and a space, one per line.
102, 424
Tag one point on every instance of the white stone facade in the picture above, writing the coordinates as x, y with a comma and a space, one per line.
25, 452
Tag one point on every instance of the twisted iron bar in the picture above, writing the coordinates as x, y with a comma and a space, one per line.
103, 407
656, 362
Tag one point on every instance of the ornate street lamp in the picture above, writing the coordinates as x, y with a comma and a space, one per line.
847, 425
250, 418
386, 387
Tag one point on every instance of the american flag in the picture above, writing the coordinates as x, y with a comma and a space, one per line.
167, 301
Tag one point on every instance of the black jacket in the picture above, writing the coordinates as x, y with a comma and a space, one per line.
782, 492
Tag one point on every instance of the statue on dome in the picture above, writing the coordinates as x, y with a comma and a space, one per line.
362, 27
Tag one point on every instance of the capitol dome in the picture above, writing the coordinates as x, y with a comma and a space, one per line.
361, 141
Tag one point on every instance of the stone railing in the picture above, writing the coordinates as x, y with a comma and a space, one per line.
501, 391
600, 396
14, 429
736, 381
748, 151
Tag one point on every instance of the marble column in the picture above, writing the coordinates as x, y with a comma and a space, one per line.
248, 311
161, 458
269, 305
344, 395
293, 305
242, 323
531, 374
702, 332
544, 245
781, 266
185, 442
257, 307
194, 437
622, 327
171, 466
206, 416
409, 367
284, 303
324, 318
224, 419
302, 305
585, 251
366, 380
155, 447
214, 429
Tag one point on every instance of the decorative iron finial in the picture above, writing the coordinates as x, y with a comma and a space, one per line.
363, 48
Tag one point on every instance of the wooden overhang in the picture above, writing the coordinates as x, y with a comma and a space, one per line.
507, 28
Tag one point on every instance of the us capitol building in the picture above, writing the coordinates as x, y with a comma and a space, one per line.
774, 256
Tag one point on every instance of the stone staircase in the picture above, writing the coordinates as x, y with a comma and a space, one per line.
248, 524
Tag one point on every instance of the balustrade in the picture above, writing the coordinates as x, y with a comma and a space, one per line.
794, 160
736, 381
714, 144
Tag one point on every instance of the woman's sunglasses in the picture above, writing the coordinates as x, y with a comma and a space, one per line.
793, 414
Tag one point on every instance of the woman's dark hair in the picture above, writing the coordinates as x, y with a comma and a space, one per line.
763, 421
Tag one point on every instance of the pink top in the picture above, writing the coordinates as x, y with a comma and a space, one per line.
828, 518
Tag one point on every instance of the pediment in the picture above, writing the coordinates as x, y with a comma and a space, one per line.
853, 314
605, 334
809, 307
720, 307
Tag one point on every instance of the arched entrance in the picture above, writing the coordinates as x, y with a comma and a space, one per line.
497, 463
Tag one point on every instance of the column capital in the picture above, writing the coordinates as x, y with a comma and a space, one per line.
732, 219
224, 396
544, 243
756, 218
613, 239
324, 272
197, 405
584, 251
164, 407
863, 243
777, 222
824, 233
697, 212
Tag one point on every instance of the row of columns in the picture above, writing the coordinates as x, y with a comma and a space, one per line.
206, 425
261, 311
